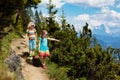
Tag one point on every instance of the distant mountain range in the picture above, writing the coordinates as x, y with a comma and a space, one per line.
105, 37
106, 41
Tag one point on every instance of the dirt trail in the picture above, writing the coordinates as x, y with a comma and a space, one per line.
29, 71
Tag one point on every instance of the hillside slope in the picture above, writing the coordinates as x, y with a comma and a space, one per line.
29, 71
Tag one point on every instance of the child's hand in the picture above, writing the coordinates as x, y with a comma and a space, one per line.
58, 40
23, 36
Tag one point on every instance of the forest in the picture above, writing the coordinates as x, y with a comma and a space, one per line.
79, 57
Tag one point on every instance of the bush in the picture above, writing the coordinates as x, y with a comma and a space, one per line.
5, 47
57, 73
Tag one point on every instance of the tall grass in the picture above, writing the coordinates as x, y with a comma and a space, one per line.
55, 72
4, 52
5, 45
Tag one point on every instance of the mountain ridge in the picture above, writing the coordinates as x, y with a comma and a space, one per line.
106, 37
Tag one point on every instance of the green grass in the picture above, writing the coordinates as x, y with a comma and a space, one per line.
4, 53
5, 45
56, 73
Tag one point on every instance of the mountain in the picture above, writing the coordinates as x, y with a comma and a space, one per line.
102, 30
106, 41
106, 37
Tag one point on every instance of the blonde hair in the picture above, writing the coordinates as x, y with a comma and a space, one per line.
30, 24
44, 32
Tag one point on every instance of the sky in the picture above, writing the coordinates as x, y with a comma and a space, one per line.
94, 12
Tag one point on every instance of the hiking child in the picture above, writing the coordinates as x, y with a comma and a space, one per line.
43, 47
31, 37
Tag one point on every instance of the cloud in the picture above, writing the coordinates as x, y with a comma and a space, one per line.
106, 17
57, 3
93, 3
83, 17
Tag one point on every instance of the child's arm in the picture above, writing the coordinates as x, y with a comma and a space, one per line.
53, 39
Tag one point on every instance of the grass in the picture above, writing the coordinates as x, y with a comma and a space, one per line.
5, 45
4, 53
56, 73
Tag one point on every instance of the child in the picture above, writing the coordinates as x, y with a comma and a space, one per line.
43, 47
31, 34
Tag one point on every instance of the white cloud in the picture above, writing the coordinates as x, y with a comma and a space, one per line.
83, 17
57, 3
45, 15
94, 23
93, 3
106, 16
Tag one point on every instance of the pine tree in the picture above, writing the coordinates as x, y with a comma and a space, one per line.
52, 24
38, 22
86, 36
63, 20
12, 7
94, 42
80, 59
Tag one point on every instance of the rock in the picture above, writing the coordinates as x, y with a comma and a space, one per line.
14, 64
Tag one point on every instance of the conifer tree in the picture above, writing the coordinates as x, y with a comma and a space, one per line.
37, 17
82, 61
38, 21
86, 36
63, 20
94, 42
52, 24
12, 7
